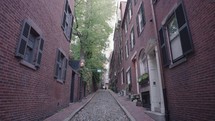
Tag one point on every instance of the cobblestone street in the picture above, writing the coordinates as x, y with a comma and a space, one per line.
102, 107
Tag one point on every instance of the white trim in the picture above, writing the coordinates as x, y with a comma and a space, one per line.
128, 69
133, 56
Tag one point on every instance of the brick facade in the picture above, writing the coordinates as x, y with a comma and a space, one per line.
190, 85
27, 93
186, 76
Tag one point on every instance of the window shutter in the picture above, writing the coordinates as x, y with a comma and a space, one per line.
64, 14
39, 52
180, 16
186, 41
130, 43
138, 28
70, 37
164, 52
64, 20
69, 27
143, 15
57, 64
133, 36
65, 68
20, 52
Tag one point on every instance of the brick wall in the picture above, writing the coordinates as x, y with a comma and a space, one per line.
27, 94
140, 41
190, 85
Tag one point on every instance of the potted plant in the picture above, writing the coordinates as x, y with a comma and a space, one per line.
143, 78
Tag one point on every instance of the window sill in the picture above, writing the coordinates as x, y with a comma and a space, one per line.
27, 64
60, 81
178, 63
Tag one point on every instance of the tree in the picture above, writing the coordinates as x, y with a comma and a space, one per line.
92, 30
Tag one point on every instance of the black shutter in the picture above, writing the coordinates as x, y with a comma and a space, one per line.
133, 35
130, 43
20, 52
128, 48
164, 52
143, 15
64, 20
64, 14
57, 65
180, 16
138, 28
65, 68
185, 41
39, 52
185, 38
70, 37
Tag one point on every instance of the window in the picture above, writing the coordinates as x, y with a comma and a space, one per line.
122, 77
30, 45
126, 27
143, 64
128, 76
132, 39
175, 37
60, 66
130, 12
140, 20
67, 21
126, 50
121, 53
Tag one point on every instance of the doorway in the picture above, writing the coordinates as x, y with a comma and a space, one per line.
72, 87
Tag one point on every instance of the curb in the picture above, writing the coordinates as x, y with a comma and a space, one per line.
123, 108
76, 111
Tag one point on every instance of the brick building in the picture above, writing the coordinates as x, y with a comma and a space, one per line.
169, 45
186, 31
34, 51
137, 64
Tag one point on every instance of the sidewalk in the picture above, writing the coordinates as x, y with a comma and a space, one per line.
71, 109
136, 112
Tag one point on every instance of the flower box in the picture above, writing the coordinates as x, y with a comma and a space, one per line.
144, 78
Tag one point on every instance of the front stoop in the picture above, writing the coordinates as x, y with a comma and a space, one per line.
156, 116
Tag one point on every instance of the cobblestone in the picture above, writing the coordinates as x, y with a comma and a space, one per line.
102, 107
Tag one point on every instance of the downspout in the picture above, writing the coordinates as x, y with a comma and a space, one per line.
159, 67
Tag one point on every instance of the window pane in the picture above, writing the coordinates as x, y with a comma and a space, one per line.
26, 30
176, 48
173, 28
128, 78
22, 47
28, 55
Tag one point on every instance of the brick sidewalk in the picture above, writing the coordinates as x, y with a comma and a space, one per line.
136, 112
66, 112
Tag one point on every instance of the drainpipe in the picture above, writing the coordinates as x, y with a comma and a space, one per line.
163, 95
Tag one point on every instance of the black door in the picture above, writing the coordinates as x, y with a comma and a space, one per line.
146, 99
72, 87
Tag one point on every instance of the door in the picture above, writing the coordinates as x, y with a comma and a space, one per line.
72, 87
